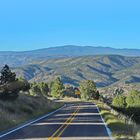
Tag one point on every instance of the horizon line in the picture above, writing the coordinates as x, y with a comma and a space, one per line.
59, 46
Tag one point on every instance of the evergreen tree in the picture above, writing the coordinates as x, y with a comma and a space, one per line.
97, 95
39, 89
57, 89
88, 90
7, 75
44, 88
9, 85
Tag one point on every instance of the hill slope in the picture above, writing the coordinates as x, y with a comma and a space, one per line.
104, 70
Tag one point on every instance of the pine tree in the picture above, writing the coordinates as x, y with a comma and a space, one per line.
88, 90
57, 88
7, 75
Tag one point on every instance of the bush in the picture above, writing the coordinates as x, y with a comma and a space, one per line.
10, 90
39, 89
119, 101
133, 99
129, 105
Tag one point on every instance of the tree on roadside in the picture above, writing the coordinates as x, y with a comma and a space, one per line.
119, 101
128, 105
57, 89
7, 75
39, 89
88, 90
10, 86
133, 99
97, 95
44, 88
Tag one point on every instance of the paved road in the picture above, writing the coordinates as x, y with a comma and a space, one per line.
80, 121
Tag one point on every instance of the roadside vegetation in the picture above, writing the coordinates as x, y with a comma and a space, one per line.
122, 113
88, 90
129, 105
121, 126
10, 86
24, 108
39, 89
57, 88
21, 101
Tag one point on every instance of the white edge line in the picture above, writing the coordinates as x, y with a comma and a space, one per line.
27, 124
107, 129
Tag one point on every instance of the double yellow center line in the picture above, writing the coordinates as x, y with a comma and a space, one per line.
63, 127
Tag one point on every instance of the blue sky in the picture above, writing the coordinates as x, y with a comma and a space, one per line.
34, 24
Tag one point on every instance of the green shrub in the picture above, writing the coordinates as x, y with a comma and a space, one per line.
133, 99
39, 89
119, 101
11, 89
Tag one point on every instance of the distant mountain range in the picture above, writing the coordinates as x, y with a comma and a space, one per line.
27, 57
106, 66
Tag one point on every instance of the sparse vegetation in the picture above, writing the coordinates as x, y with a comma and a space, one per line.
121, 127
22, 109
104, 69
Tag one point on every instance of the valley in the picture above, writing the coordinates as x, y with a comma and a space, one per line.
104, 69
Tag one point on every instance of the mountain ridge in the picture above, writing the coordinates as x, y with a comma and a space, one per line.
14, 58
69, 46
104, 69
104, 65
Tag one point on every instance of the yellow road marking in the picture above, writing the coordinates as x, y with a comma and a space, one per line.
62, 131
71, 116
50, 138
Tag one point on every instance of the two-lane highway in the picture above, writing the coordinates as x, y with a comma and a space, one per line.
79, 121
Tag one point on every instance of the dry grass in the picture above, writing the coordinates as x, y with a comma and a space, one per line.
121, 129
24, 108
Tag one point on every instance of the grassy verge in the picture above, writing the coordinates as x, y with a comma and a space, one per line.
120, 128
24, 108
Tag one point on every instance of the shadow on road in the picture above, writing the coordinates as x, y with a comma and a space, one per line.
86, 124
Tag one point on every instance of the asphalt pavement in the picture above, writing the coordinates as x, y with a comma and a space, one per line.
78, 121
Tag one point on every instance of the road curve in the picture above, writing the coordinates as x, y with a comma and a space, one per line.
79, 121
